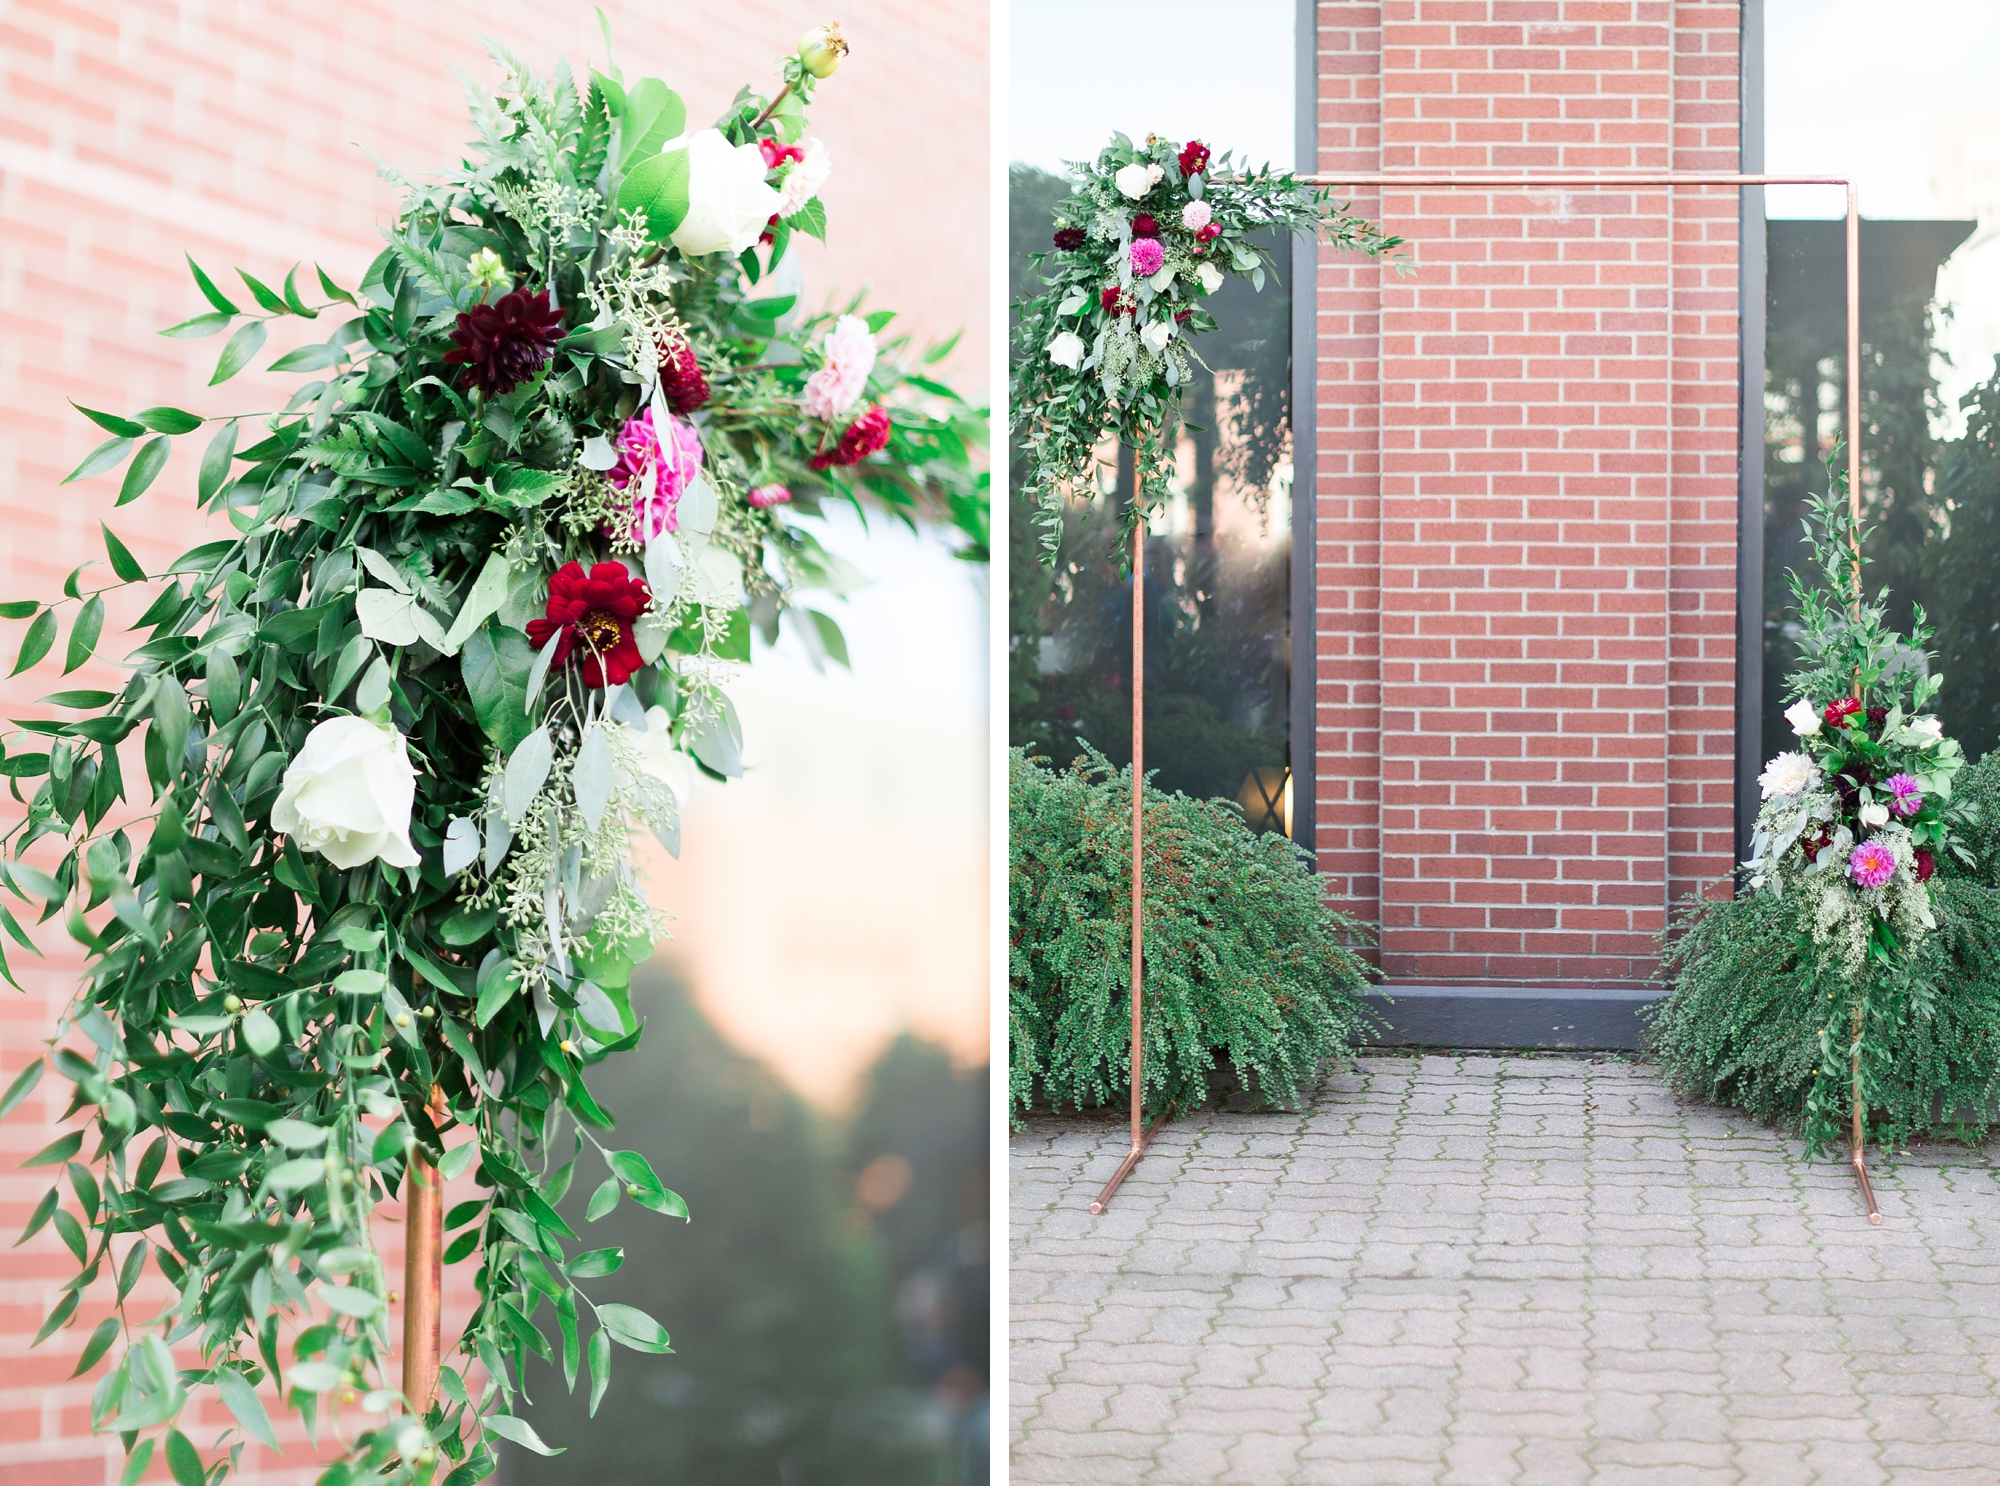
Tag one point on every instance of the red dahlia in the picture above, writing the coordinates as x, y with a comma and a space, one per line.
594, 610
1877, 716
1116, 301
1194, 158
776, 154
1069, 239
1925, 864
864, 436
503, 344
681, 380
1838, 712
1181, 316
1145, 225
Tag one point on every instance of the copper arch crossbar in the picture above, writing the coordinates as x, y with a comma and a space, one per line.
1470, 182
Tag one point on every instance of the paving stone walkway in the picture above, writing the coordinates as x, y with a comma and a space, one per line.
1478, 1271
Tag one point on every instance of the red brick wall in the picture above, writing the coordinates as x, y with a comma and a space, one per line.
1526, 485
133, 129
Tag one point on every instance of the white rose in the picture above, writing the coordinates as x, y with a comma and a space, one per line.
1136, 180
1067, 350
1927, 730
728, 201
1157, 334
1804, 717
1210, 276
1874, 813
1788, 774
347, 795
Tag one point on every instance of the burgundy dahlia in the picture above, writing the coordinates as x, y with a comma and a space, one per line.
1069, 239
1145, 225
1839, 711
595, 610
1116, 301
1877, 716
864, 436
503, 344
1925, 863
1181, 316
682, 381
1194, 158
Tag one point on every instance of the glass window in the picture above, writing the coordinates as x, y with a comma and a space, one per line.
1218, 592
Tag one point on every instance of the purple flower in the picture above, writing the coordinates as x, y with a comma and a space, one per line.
1907, 799
1147, 256
1871, 864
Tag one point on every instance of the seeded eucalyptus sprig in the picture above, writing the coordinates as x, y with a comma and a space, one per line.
357, 894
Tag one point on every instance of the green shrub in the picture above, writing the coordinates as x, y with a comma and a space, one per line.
1741, 1025
1243, 954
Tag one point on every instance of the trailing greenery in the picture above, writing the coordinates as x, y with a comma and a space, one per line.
363, 874
1244, 956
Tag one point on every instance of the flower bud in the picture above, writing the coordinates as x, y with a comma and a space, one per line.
821, 49
488, 272
232, 1004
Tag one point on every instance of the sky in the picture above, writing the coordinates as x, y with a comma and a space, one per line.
1083, 69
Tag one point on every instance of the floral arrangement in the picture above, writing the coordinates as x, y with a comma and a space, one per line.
1855, 821
364, 876
1149, 232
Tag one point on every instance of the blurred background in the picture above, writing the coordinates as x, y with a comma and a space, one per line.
813, 1080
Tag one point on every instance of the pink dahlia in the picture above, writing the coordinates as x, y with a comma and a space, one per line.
766, 496
1196, 215
1871, 864
1147, 256
1906, 797
653, 473
850, 357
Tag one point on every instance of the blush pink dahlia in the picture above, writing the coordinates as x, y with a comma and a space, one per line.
1196, 215
766, 496
1147, 256
850, 357
653, 474
1871, 864
1906, 796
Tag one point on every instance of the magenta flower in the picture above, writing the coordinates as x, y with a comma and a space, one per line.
766, 496
1871, 864
654, 474
1906, 797
1147, 256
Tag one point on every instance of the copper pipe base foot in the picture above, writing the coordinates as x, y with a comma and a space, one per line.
1867, 1192
1103, 1198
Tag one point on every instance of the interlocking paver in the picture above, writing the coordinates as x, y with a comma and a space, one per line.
1499, 1272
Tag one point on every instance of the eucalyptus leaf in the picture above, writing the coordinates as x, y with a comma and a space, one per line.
527, 771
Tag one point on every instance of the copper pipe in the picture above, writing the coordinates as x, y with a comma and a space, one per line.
1854, 388
423, 1275
1103, 1198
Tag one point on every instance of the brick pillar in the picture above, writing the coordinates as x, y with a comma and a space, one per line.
1537, 494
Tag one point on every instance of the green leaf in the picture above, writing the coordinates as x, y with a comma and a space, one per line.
145, 469
71, 1233
246, 343
496, 663
125, 428
225, 685
265, 297
137, 1464
315, 357
44, 1210
545, 1217
65, 1308
461, 1246
107, 455
18, 608
123, 563
99, 1343
511, 1427
292, 301
215, 462
632, 1327
645, 1188
183, 1459
809, 219
83, 639
654, 114
22, 1086
57, 1151
260, 1032
209, 292
168, 420
350, 1300
598, 1356
658, 188
333, 290
604, 1199
199, 325
245, 1405
596, 1263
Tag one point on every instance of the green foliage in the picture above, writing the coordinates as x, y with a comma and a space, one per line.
268, 1043
1124, 386
1244, 956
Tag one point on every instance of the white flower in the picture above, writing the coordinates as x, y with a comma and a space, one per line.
1136, 180
659, 759
1196, 215
1210, 276
348, 793
850, 356
1067, 350
804, 180
1874, 813
1788, 774
1804, 717
1928, 729
1157, 334
728, 201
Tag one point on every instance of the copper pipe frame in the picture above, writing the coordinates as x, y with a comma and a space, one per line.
1697, 179
423, 1275
1139, 1133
